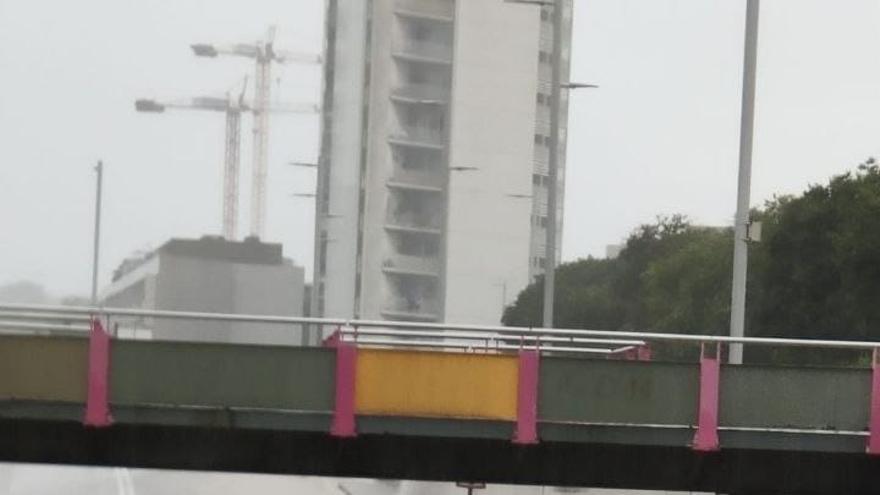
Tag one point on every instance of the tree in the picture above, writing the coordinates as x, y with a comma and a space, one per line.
584, 298
688, 289
593, 293
816, 274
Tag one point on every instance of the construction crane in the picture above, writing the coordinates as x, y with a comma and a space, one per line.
233, 107
264, 54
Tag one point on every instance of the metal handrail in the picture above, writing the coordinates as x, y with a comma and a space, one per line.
14, 315
446, 344
483, 335
416, 326
54, 328
483, 340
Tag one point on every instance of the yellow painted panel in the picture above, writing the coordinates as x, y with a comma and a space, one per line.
43, 368
436, 384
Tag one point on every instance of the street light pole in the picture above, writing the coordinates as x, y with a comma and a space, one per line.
553, 166
99, 171
741, 226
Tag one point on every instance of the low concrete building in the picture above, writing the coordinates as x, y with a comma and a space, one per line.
212, 275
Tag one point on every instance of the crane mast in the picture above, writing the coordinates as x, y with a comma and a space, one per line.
231, 164
232, 109
260, 165
264, 55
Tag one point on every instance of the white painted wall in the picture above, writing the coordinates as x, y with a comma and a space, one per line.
493, 119
346, 154
379, 162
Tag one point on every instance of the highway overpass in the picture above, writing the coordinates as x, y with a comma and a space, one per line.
542, 411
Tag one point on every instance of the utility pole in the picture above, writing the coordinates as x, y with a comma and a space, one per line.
99, 177
553, 172
741, 226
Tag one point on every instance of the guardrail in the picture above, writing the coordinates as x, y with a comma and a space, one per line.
20, 318
39, 322
362, 330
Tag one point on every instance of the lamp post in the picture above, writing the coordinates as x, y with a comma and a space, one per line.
741, 226
99, 179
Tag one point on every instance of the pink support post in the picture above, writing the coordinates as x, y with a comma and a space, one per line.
644, 353
527, 398
98, 393
343, 413
874, 436
706, 438
333, 339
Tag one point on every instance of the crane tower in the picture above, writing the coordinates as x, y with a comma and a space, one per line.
264, 54
233, 108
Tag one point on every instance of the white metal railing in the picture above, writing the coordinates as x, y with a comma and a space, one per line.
413, 220
429, 265
422, 93
431, 136
42, 323
405, 333
487, 341
425, 50
418, 177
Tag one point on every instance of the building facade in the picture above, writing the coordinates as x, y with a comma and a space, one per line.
211, 275
432, 182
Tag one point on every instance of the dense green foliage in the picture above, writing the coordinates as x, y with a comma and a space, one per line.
816, 273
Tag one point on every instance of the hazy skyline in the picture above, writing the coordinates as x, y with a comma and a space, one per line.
659, 136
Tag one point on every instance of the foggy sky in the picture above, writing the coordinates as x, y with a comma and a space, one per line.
660, 136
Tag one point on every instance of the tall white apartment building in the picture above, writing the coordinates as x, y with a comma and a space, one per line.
432, 182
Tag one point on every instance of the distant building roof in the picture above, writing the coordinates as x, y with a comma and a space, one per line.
248, 251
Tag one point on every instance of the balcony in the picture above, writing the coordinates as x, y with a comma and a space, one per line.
411, 310
419, 137
407, 265
432, 10
421, 94
416, 211
411, 186
412, 229
426, 52
417, 180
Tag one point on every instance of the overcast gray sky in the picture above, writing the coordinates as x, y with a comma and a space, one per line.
660, 136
